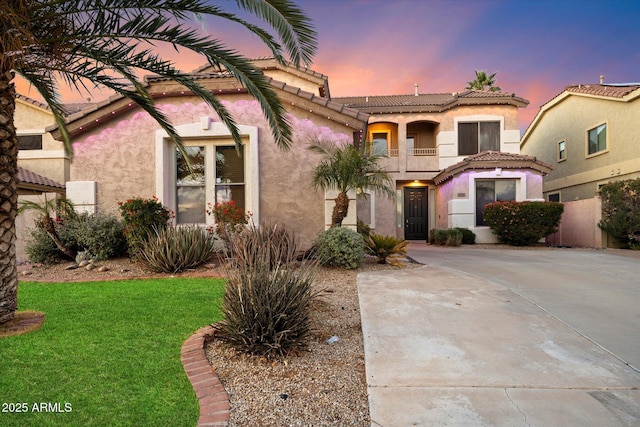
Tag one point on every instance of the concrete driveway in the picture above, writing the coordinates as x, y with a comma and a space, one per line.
504, 337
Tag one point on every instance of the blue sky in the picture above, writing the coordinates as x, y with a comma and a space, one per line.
536, 47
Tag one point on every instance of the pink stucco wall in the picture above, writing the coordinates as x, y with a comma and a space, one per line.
579, 225
120, 157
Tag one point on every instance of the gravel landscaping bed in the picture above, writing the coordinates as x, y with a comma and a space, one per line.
324, 385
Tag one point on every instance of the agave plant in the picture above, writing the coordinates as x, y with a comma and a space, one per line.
388, 249
174, 249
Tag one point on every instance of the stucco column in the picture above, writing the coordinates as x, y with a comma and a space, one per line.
402, 145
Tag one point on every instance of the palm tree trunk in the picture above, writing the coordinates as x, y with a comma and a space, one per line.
340, 210
8, 199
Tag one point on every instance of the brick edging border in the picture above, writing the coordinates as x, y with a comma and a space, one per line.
213, 398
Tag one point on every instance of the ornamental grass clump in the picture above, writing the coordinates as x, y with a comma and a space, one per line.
523, 223
173, 249
268, 294
388, 249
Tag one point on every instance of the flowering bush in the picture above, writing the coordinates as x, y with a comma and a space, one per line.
229, 219
523, 223
141, 217
621, 211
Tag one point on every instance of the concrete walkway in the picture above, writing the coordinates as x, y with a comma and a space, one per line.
445, 347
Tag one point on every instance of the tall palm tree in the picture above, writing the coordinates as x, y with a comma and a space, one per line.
106, 43
349, 168
483, 82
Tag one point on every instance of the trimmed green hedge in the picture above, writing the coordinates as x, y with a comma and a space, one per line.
523, 223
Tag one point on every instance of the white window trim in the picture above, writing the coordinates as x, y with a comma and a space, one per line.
521, 186
166, 158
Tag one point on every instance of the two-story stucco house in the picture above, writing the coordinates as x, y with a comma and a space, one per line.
589, 133
448, 154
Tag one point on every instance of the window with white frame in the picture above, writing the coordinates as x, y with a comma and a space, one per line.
492, 190
216, 176
476, 137
597, 139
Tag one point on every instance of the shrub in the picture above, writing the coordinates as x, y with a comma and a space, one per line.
267, 300
523, 223
339, 247
230, 220
101, 235
40, 248
447, 236
468, 236
387, 248
173, 249
621, 211
141, 217
271, 244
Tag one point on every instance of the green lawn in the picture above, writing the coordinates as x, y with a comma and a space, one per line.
108, 351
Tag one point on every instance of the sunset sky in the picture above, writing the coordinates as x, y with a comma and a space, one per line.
536, 47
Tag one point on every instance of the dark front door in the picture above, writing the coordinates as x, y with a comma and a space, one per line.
415, 213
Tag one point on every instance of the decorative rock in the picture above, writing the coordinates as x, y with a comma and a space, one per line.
90, 267
27, 272
210, 266
83, 263
71, 267
125, 270
103, 269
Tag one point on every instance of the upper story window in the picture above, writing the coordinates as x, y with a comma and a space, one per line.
382, 144
562, 152
29, 142
597, 139
475, 137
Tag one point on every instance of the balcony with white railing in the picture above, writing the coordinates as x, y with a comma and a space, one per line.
422, 151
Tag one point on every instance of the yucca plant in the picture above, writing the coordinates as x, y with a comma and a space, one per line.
174, 249
267, 299
387, 248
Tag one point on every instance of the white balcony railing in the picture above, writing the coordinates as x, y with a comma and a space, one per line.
422, 151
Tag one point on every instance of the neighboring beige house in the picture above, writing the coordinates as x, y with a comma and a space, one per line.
590, 135
43, 168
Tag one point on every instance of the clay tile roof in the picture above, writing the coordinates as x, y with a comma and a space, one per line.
497, 156
25, 176
32, 101
493, 159
429, 102
613, 91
